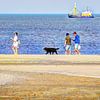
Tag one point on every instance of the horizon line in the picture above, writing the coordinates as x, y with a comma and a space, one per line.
39, 13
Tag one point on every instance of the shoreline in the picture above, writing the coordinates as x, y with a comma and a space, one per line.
50, 59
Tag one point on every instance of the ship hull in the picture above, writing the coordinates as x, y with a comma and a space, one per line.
77, 16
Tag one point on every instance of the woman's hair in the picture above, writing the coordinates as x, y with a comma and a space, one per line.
16, 33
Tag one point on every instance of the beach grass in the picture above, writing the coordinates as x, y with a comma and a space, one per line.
42, 86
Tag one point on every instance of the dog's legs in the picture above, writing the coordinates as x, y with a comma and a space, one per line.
46, 53
50, 53
56, 52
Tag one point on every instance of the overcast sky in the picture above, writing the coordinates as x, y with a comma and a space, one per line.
47, 6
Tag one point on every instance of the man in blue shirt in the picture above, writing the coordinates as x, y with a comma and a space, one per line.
77, 43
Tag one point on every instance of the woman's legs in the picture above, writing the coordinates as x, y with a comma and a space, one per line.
15, 50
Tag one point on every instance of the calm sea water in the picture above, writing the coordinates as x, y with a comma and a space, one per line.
39, 31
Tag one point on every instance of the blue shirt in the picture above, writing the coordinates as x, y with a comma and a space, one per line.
77, 39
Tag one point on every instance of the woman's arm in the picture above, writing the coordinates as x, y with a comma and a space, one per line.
12, 39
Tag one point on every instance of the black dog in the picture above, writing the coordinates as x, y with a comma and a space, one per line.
51, 50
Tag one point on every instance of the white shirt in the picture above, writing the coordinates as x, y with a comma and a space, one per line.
15, 38
15, 41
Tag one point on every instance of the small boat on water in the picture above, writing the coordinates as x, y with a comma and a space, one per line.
76, 14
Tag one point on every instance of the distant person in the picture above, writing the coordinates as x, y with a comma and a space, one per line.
16, 43
77, 43
68, 44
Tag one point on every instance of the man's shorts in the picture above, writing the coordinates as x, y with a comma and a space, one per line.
77, 46
68, 47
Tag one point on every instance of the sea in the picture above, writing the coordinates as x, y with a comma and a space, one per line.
37, 31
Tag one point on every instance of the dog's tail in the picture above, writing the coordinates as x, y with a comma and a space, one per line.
57, 48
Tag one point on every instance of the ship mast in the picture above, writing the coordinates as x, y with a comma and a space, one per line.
87, 9
75, 9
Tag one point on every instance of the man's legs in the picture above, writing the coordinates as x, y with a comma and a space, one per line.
68, 49
77, 49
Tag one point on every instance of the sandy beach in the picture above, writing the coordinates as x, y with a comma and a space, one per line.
81, 65
42, 77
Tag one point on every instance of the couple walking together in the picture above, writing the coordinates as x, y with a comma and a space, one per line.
68, 43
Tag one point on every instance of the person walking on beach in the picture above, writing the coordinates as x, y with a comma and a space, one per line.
77, 43
68, 44
16, 43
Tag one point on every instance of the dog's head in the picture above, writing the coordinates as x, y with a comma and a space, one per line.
45, 48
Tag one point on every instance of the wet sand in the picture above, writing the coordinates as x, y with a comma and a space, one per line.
81, 65
49, 59
57, 77
43, 86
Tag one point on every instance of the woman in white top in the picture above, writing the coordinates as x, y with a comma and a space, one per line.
15, 45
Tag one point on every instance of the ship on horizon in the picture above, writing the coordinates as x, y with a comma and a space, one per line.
76, 14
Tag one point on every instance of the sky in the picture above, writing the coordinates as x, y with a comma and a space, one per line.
47, 6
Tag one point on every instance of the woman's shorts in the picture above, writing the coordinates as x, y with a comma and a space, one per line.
15, 45
68, 47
